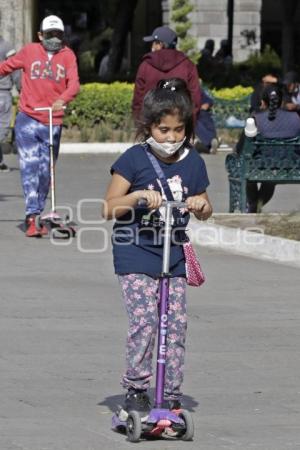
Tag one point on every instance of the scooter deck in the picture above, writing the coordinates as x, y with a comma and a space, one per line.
160, 422
60, 228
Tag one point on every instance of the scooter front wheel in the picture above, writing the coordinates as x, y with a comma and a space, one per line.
188, 433
133, 426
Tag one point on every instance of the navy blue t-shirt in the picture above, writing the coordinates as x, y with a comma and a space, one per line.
137, 236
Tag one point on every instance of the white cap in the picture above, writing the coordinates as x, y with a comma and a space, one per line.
250, 128
52, 23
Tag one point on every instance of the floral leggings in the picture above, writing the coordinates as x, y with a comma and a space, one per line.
141, 295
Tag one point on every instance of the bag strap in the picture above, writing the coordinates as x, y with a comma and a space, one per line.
166, 188
161, 175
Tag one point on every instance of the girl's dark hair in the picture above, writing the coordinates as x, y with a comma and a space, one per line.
170, 96
272, 96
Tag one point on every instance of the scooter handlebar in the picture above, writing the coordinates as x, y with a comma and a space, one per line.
142, 203
46, 108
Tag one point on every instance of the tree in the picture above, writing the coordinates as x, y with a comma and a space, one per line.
179, 16
123, 23
15, 21
288, 9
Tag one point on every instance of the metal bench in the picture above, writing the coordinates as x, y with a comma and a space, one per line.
229, 113
261, 160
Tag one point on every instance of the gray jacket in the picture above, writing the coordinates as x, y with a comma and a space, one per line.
7, 82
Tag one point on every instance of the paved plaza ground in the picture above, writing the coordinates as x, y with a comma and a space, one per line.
63, 329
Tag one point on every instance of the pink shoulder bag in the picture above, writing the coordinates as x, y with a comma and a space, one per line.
194, 273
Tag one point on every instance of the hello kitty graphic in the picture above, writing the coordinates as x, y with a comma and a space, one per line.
175, 185
158, 216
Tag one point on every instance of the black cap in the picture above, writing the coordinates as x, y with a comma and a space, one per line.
162, 34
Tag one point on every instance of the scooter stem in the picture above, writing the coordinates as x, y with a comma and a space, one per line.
162, 342
51, 151
163, 310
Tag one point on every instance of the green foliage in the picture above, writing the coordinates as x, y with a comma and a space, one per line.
98, 103
86, 61
268, 57
181, 9
230, 102
179, 16
245, 73
102, 112
235, 93
259, 64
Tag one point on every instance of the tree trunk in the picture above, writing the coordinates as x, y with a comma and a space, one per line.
288, 9
123, 24
230, 15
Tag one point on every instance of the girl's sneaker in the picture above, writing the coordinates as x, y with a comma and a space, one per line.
138, 401
172, 405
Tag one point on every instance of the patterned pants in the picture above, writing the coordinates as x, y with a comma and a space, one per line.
32, 138
141, 294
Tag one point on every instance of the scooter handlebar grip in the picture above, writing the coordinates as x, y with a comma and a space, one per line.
142, 203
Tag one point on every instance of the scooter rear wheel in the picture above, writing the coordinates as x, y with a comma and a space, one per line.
133, 426
188, 433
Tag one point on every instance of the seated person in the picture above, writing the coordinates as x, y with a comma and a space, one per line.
291, 95
205, 130
224, 55
206, 62
272, 122
270, 79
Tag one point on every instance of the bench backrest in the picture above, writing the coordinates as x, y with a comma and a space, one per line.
229, 113
271, 159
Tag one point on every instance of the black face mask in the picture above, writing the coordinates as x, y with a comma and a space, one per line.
53, 44
53, 40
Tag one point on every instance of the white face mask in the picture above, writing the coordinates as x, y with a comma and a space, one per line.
164, 149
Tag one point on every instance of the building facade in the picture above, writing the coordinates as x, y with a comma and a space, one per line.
16, 20
255, 23
210, 21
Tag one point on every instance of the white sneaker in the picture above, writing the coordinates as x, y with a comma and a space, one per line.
214, 146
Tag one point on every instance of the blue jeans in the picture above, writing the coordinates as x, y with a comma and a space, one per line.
32, 138
205, 129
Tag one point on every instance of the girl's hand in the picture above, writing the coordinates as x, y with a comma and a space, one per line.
153, 198
200, 206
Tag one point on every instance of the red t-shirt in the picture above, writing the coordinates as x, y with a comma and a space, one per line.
44, 79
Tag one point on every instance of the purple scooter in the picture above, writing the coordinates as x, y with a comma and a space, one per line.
161, 421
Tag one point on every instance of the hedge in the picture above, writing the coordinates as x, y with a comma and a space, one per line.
99, 103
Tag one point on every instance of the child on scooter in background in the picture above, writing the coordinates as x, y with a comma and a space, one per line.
49, 78
166, 129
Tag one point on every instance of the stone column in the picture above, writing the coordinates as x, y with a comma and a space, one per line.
17, 21
246, 28
209, 20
